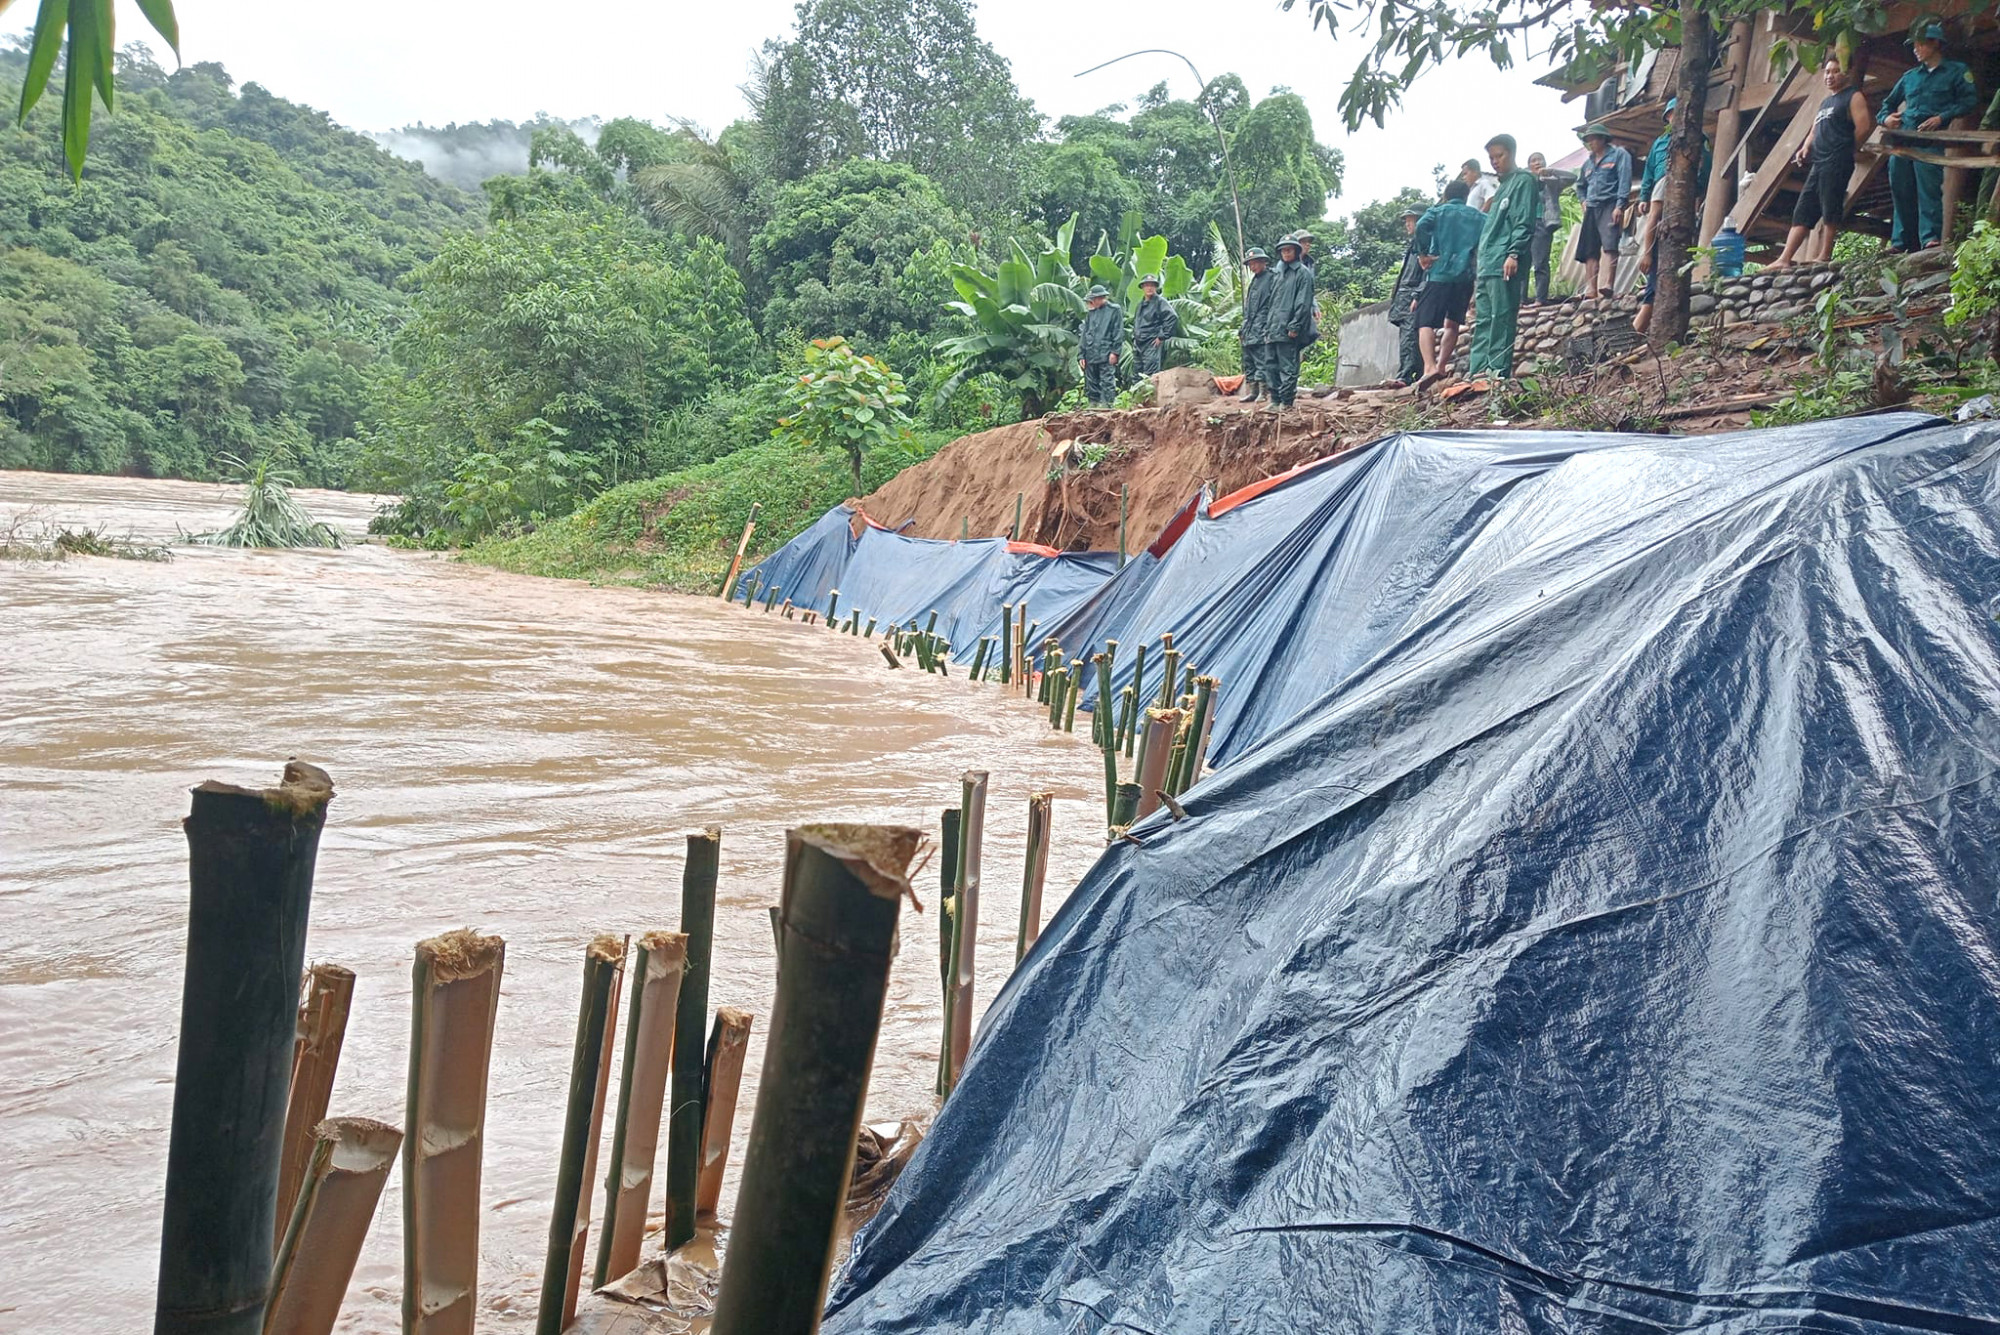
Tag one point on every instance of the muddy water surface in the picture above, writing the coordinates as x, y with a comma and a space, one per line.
515, 755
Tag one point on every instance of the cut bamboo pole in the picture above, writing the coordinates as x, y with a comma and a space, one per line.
771, 593
722, 1082
1071, 695
1035, 873
749, 593
1203, 729
979, 659
1019, 497
742, 546
1006, 644
1138, 697
454, 996
1125, 809
1124, 504
1154, 756
1108, 734
869, 634
889, 656
1127, 698
1019, 637
322, 1026
947, 942
843, 887
657, 967
1170, 677
589, 1065
832, 607
250, 873
704, 860
349, 1162
1189, 767
965, 928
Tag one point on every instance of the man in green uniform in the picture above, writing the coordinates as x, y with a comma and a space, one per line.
1929, 97
1288, 325
1153, 324
1403, 305
1098, 342
1504, 250
1256, 309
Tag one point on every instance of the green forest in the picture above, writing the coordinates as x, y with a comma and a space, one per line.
237, 280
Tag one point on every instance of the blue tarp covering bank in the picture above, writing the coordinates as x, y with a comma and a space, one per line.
1611, 946
808, 567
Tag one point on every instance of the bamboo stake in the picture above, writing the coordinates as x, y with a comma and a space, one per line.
1019, 497
349, 1162
1156, 752
704, 859
742, 546
455, 993
771, 593
1189, 769
965, 929
1125, 809
1035, 873
1126, 700
1203, 729
832, 605
1138, 696
322, 1026
869, 634
890, 655
250, 873
722, 1082
947, 942
979, 659
749, 592
657, 967
1170, 678
843, 887
1071, 695
1019, 637
589, 1069
1108, 738
1124, 500
1006, 639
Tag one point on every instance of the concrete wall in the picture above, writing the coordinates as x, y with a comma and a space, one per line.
1367, 346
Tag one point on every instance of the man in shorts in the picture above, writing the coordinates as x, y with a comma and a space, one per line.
1447, 238
1603, 182
1842, 123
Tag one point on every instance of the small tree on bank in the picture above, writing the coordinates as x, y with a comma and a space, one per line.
847, 401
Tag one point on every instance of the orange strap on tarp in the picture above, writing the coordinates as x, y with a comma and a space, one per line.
1262, 485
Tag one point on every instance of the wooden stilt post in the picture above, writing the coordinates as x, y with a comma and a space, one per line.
657, 966
704, 860
965, 927
844, 885
454, 995
722, 1083
1035, 873
349, 1161
322, 1026
250, 875
742, 546
583, 1120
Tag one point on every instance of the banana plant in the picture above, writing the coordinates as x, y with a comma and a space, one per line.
92, 38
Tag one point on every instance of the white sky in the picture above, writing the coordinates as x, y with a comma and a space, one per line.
380, 64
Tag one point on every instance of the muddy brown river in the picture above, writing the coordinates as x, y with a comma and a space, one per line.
515, 755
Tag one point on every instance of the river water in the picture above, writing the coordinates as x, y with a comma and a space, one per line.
516, 755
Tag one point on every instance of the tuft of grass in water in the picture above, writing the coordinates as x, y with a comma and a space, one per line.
28, 538
270, 517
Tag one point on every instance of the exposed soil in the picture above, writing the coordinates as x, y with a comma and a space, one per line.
1068, 470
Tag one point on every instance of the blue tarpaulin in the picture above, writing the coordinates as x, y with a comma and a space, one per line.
1609, 946
808, 567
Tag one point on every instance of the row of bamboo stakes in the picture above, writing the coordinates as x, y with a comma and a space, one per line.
268, 1200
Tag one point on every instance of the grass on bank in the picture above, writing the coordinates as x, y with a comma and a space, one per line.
678, 531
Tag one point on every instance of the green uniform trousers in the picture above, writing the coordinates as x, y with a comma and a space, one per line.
1281, 371
1253, 363
1493, 335
1100, 383
1409, 355
1146, 358
1918, 191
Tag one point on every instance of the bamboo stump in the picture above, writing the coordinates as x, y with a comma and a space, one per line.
722, 1083
322, 1027
348, 1164
642, 1094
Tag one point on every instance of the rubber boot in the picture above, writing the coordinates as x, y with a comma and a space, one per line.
1253, 390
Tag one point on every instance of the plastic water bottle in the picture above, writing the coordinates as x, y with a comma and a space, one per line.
1728, 245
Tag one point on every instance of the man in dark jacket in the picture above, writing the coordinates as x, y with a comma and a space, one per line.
1256, 310
1403, 303
1153, 324
1288, 326
1928, 97
1098, 342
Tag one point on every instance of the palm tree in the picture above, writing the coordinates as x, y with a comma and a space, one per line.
705, 193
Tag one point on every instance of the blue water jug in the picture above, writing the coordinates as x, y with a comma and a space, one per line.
1728, 245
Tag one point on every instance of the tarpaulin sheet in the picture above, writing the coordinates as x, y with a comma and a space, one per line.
808, 567
1613, 950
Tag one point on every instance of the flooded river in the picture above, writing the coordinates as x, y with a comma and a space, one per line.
515, 755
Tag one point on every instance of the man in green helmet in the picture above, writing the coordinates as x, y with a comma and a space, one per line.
1256, 309
1928, 97
1288, 325
1152, 325
1403, 306
1098, 342
1504, 250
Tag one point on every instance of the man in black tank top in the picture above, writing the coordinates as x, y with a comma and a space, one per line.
1841, 125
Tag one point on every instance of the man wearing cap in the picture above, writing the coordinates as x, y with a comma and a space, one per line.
1103, 333
1603, 182
1547, 222
1403, 303
1505, 248
1929, 97
1288, 324
1652, 199
1152, 325
1256, 310
1447, 243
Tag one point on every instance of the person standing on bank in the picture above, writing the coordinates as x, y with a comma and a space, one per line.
1840, 126
1153, 324
1548, 222
1098, 342
1504, 250
1288, 325
1256, 311
1929, 97
1403, 307
1603, 183
1447, 243
1478, 182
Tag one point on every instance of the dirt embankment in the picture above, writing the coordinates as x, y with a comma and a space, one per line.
1069, 470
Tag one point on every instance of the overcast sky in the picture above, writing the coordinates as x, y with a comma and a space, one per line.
380, 64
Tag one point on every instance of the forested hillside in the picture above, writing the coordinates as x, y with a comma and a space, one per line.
222, 282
